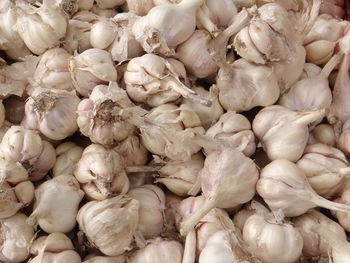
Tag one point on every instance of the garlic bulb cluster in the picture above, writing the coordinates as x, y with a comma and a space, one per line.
67, 156
110, 224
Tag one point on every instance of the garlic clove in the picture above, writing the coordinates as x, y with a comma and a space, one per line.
343, 142
8, 200
12, 172
25, 192
323, 133
104, 4
67, 156
319, 52
103, 33
133, 151
55, 243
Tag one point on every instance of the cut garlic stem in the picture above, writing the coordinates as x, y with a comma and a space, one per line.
189, 255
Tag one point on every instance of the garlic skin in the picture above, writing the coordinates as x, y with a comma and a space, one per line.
326, 168
139, 7
103, 33
257, 234
160, 32
110, 224
13, 109
101, 259
91, 68
26, 146
151, 210
133, 151
157, 250
323, 133
52, 71
232, 129
55, 197
180, 177
97, 115
41, 28
67, 156
240, 91
289, 140
101, 172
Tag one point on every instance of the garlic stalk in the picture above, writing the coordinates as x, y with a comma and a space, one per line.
56, 205
222, 184
323, 133
101, 172
110, 224
14, 109
139, 7
102, 259
67, 156
285, 188
284, 133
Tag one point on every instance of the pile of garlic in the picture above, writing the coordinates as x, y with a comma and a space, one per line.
186, 131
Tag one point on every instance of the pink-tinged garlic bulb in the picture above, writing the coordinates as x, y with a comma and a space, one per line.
160, 31
311, 93
285, 188
231, 130
323, 133
228, 179
56, 247
26, 146
101, 172
16, 238
67, 156
56, 204
151, 209
41, 28
133, 151
110, 224
284, 133
154, 80
343, 218
14, 109
244, 85
102, 259
91, 68
181, 176
326, 169
52, 71
314, 244
139, 7
157, 250
98, 118
344, 138
266, 246
52, 112
102, 33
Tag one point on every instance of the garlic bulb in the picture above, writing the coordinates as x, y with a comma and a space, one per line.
257, 233
110, 224
41, 28
151, 210
14, 109
157, 250
310, 70
91, 68
181, 176
56, 205
242, 91
284, 133
285, 188
16, 238
65, 256
101, 171
232, 129
26, 146
133, 151
222, 184
97, 118
323, 133
67, 156
314, 244
103, 33
52, 112
326, 168
160, 31
101, 259
52, 71
139, 7
343, 218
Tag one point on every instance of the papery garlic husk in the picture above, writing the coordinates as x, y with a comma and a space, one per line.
52, 112
160, 31
133, 151
314, 244
343, 142
25, 192
319, 52
151, 210
110, 224
102, 33
25, 146
266, 246
52, 71
101, 259
101, 171
97, 115
180, 177
157, 250
14, 109
91, 68
326, 169
231, 130
139, 7
310, 70
284, 133
16, 238
78, 35
12, 172
56, 205
207, 115
323, 133
240, 91
67, 156
41, 28
228, 179
285, 188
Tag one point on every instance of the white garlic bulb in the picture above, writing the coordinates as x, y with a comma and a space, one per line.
110, 224
67, 156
